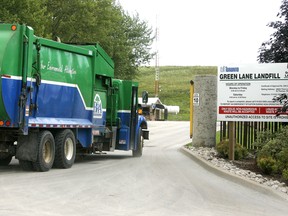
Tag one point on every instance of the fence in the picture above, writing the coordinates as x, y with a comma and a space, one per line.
246, 132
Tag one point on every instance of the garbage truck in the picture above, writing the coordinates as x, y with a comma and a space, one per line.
58, 100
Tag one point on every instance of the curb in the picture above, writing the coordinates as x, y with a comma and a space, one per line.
232, 177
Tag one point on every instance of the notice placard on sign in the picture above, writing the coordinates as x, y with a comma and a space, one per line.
196, 99
246, 92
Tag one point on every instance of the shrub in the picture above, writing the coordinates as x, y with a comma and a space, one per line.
282, 160
272, 152
263, 137
223, 150
285, 174
266, 164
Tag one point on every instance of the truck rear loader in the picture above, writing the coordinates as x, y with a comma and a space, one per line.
58, 99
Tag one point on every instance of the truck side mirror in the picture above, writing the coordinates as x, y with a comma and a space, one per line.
144, 97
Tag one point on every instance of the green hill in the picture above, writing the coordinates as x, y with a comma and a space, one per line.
174, 85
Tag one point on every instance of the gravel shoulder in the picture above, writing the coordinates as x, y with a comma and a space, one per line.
207, 158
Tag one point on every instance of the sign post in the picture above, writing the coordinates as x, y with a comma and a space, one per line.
232, 140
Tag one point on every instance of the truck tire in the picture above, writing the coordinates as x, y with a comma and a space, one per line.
65, 152
46, 151
139, 146
6, 160
5, 156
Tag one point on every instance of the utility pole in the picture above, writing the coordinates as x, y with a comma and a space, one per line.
157, 69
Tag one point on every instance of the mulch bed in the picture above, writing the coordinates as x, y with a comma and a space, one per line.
250, 164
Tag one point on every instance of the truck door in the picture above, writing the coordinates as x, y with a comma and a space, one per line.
134, 116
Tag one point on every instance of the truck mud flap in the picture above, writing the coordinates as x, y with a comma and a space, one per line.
145, 134
27, 147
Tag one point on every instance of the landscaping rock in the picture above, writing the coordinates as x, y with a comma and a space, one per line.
210, 155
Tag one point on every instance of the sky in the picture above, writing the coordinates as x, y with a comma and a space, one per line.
207, 32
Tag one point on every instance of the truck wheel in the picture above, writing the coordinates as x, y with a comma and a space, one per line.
46, 151
65, 149
5, 156
6, 160
139, 147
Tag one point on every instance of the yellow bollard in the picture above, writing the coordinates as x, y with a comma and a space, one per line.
191, 107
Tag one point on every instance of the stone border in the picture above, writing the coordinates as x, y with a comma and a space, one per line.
233, 177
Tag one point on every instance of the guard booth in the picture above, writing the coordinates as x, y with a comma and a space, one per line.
154, 110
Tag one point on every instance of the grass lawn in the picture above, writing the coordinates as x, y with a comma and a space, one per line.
174, 85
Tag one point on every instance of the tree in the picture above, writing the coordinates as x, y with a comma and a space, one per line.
275, 50
31, 12
74, 21
125, 38
133, 41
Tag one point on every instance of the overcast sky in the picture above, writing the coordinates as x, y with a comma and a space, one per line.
207, 32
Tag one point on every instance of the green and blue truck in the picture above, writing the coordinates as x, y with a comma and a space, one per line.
58, 100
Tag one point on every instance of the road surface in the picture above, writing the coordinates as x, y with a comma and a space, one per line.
163, 181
